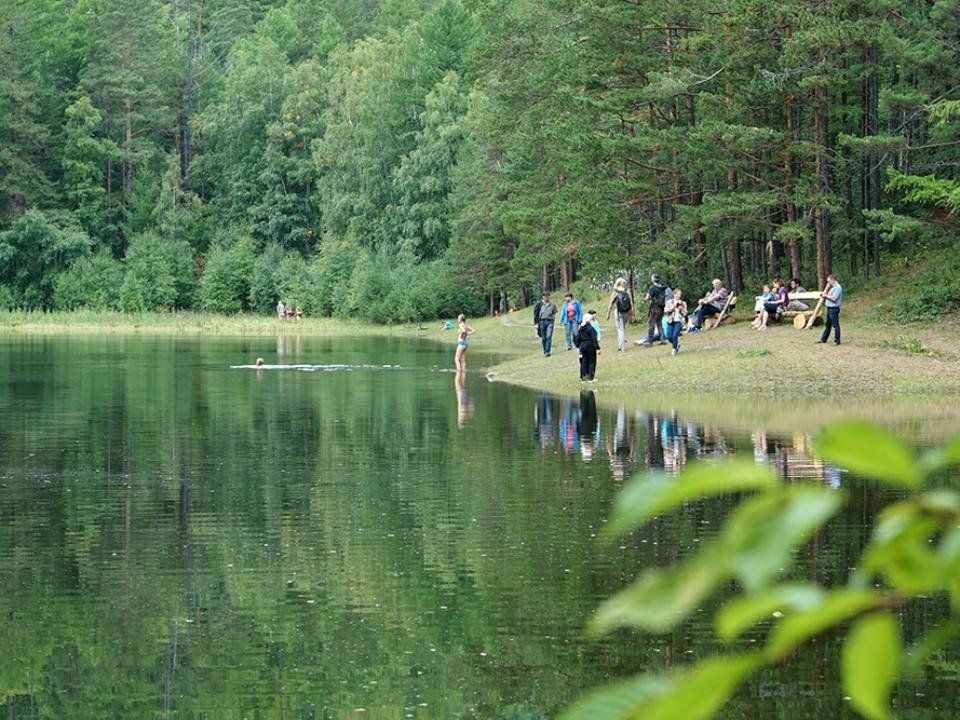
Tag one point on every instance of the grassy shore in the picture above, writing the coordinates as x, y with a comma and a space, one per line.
780, 378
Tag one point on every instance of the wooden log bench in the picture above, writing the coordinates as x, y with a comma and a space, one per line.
801, 318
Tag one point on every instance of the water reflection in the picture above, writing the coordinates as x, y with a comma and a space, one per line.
668, 441
464, 403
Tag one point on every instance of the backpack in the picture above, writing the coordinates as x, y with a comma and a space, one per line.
657, 295
623, 302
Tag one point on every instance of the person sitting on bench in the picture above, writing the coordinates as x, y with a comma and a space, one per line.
796, 287
776, 306
710, 304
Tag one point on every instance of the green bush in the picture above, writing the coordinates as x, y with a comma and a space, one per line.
158, 274
934, 292
225, 285
91, 282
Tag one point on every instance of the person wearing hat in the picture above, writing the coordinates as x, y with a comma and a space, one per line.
657, 297
587, 340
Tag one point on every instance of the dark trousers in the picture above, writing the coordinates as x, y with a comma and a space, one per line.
588, 363
832, 322
546, 335
705, 311
653, 327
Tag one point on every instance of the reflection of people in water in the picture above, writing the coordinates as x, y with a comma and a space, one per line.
460, 358
569, 434
543, 421
620, 445
588, 425
464, 404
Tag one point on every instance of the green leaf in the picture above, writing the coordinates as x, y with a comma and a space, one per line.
871, 663
942, 457
745, 611
619, 701
932, 642
840, 605
901, 551
762, 533
693, 693
869, 451
661, 599
655, 493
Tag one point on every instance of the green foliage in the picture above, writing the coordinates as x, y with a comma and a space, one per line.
914, 552
932, 292
158, 274
34, 250
225, 285
92, 282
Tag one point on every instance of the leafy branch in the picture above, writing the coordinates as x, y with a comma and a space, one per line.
914, 552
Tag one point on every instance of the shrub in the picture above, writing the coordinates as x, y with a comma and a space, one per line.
225, 285
92, 282
159, 274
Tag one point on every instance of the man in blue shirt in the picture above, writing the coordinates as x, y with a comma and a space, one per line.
571, 314
832, 295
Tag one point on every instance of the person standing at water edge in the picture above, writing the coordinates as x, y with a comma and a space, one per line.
460, 357
621, 304
832, 295
571, 314
589, 344
656, 296
548, 315
281, 310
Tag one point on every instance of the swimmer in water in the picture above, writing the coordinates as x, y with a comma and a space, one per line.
259, 362
460, 358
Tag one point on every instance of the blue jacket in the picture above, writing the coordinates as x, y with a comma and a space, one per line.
577, 313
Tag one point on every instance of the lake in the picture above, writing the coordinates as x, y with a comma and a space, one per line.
358, 537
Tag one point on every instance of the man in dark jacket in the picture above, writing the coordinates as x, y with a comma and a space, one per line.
589, 344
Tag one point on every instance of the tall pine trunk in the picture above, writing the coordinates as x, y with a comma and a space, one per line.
823, 218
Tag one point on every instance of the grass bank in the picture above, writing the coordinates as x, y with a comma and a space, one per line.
906, 376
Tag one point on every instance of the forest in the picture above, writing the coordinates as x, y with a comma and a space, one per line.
394, 160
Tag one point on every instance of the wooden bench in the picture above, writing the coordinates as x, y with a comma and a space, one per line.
802, 317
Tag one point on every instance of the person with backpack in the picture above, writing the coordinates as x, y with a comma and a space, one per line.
571, 313
657, 297
587, 341
621, 304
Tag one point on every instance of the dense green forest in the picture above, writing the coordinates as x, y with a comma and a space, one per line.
400, 159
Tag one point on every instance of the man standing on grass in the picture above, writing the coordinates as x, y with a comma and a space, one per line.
547, 316
832, 295
570, 316
656, 296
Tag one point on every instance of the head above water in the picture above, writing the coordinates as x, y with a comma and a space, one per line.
259, 362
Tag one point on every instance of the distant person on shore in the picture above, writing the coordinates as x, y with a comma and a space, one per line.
571, 315
676, 312
710, 304
298, 313
656, 296
460, 357
796, 287
832, 296
281, 310
621, 305
547, 317
588, 343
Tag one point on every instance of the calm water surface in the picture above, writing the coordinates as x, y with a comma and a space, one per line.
357, 538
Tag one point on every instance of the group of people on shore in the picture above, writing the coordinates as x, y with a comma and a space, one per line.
288, 311
668, 317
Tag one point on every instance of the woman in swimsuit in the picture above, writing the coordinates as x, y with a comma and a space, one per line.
460, 358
